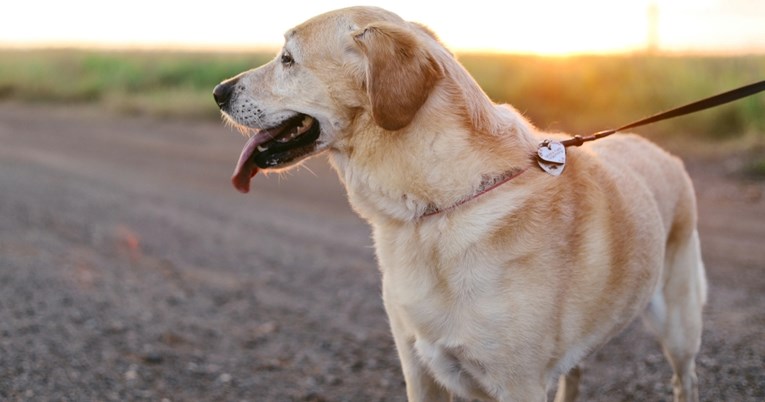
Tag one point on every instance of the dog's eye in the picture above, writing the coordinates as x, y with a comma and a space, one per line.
287, 59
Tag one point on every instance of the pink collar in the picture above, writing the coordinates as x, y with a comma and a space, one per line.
487, 185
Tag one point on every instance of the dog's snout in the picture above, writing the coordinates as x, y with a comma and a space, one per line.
222, 93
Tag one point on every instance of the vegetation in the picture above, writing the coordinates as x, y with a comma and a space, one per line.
167, 84
578, 94
585, 94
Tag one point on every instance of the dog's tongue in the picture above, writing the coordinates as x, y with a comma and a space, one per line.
245, 167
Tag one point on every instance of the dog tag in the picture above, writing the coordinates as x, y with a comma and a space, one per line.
551, 156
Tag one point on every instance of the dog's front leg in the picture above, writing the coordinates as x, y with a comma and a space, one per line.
420, 384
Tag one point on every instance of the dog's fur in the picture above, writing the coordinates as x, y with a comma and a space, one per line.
496, 297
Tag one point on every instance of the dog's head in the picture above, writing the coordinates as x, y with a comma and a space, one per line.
338, 70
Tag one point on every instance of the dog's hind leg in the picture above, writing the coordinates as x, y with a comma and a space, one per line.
568, 386
675, 312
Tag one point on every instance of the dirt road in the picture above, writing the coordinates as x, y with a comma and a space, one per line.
130, 269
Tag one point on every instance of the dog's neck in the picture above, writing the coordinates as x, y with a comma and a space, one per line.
487, 184
433, 164
457, 141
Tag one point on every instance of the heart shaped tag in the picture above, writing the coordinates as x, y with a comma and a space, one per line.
554, 169
552, 151
552, 157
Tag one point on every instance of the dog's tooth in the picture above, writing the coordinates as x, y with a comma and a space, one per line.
305, 124
287, 137
262, 148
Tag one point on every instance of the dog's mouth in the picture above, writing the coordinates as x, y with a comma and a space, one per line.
275, 147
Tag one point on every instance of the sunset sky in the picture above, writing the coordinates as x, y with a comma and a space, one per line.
538, 26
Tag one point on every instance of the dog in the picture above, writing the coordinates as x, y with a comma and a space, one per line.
497, 277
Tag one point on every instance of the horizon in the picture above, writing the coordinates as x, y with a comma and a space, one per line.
266, 49
596, 27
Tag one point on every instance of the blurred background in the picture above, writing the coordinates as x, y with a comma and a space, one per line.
561, 63
130, 269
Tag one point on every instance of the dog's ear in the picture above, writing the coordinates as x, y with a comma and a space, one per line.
400, 73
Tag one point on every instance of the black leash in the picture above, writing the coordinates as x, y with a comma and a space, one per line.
697, 106
552, 154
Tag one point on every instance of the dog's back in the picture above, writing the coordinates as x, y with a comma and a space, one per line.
674, 312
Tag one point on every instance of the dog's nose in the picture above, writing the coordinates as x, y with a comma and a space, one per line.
222, 94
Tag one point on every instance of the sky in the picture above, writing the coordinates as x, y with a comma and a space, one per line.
551, 27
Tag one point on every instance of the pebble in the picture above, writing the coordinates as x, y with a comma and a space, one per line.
132, 373
224, 378
152, 358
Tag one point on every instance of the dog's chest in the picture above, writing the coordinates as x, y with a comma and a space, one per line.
444, 289
450, 304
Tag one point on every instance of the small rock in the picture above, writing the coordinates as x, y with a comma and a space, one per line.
171, 338
264, 329
314, 397
357, 365
271, 365
152, 358
334, 380
132, 373
224, 378
115, 327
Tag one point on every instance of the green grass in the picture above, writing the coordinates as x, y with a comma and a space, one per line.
756, 168
591, 93
575, 94
168, 84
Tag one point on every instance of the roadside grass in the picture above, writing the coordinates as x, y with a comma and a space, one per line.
173, 84
579, 95
756, 168
585, 94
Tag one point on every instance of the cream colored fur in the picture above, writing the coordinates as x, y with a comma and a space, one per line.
496, 298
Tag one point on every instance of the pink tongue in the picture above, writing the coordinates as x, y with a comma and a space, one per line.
245, 167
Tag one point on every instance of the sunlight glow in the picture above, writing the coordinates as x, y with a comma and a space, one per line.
540, 27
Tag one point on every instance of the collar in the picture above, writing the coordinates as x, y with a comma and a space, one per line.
487, 184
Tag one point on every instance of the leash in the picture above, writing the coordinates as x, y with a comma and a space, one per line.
551, 155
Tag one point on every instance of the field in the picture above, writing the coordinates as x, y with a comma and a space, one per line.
131, 270
575, 94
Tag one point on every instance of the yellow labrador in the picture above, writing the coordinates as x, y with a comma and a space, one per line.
497, 277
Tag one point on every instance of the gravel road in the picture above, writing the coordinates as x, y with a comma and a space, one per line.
131, 270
